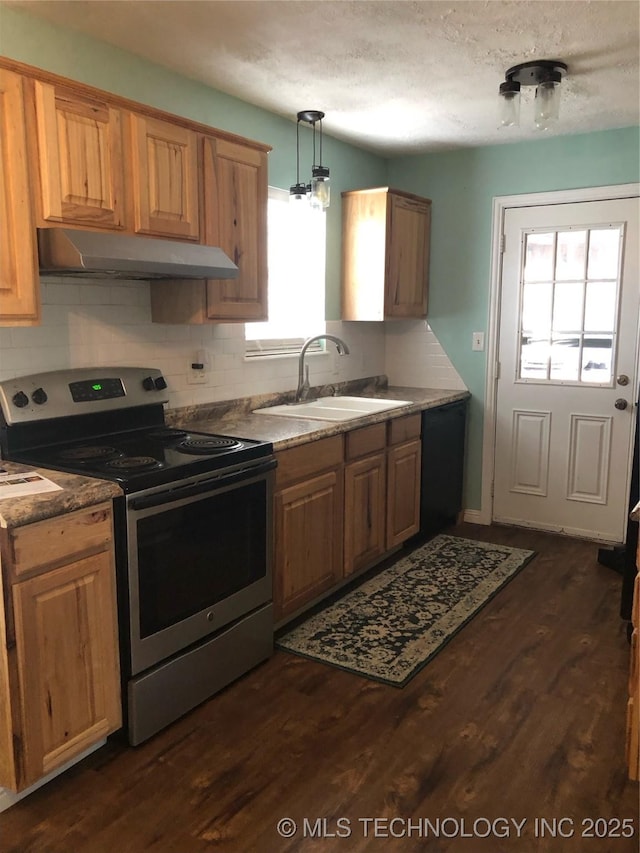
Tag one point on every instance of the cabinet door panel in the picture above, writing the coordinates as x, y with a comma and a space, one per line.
236, 220
165, 179
403, 492
407, 258
65, 624
364, 501
80, 158
19, 279
308, 519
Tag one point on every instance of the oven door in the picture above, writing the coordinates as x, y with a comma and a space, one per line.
199, 558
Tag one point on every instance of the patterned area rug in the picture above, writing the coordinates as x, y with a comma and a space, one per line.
393, 624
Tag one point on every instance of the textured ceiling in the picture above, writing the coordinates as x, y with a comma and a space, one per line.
394, 77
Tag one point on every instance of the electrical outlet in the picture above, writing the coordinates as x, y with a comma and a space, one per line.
196, 377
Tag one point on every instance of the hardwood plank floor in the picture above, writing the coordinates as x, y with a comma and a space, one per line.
521, 716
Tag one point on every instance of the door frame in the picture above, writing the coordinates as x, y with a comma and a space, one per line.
500, 205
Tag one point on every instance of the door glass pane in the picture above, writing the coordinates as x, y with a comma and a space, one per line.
600, 308
570, 259
565, 355
536, 306
538, 264
596, 358
604, 252
534, 358
567, 306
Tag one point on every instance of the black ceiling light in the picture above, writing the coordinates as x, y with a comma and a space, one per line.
317, 191
546, 76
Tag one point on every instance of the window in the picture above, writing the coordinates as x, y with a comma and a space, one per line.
569, 303
296, 258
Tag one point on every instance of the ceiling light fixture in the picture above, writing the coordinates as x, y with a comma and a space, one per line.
318, 190
545, 75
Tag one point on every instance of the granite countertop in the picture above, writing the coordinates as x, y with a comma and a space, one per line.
242, 421
77, 492
233, 418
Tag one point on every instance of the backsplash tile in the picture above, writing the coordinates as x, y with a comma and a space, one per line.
87, 323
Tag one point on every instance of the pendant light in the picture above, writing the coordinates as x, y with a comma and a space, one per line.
298, 192
546, 76
318, 190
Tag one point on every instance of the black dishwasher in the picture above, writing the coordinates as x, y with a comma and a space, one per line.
443, 445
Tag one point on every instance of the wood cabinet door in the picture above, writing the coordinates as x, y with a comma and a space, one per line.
19, 279
407, 262
236, 190
308, 537
165, 178
68, 665
79, 154
364, 511
403, 492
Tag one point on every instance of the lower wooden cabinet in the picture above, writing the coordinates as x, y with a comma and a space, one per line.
308, 523
59, 664
342, 504
403, 479
365, 500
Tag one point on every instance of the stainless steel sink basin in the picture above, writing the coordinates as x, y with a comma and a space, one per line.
333, 408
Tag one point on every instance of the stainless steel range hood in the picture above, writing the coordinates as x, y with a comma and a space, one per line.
92, 254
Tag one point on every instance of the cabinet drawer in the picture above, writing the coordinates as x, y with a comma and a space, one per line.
404, 429
306, 459
362, 442
45, 543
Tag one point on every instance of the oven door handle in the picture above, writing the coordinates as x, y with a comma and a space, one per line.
211, 484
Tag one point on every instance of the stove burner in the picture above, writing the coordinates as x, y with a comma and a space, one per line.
166, 432
133, 463
88, 453
212, 444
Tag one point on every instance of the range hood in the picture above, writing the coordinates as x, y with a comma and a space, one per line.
92, 254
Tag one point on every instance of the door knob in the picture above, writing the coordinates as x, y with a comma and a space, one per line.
621, 403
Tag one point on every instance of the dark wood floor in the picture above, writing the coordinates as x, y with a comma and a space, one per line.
521, 716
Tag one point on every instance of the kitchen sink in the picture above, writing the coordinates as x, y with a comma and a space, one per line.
333, 408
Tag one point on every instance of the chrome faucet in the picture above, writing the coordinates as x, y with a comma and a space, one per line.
303, 375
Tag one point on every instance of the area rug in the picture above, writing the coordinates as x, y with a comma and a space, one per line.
390, 626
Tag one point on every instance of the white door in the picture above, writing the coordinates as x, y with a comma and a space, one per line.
567, 380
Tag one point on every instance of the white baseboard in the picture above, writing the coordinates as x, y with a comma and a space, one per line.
10, 798
475, 516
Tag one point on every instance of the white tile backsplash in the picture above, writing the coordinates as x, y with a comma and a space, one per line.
414, 356
87, 323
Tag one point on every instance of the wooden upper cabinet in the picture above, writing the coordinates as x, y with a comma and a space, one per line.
19, 279
235, 219
79, 158
165, 178
385, 254
235, 205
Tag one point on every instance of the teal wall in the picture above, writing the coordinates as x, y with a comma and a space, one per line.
26, 38
462, 185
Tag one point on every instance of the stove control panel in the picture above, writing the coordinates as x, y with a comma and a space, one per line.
81, 390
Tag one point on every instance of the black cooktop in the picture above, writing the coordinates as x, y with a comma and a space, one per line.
147, 457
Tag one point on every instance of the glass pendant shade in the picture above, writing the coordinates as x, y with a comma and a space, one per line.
510, 107
547, 104
320, 189
297, 193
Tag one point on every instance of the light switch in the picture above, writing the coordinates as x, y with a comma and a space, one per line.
477, 341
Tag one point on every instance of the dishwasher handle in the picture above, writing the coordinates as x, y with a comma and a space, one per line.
211, 485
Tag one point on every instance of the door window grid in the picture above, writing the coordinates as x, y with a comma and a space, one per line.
568, 304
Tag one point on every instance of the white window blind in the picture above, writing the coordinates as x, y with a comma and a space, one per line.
296, 240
